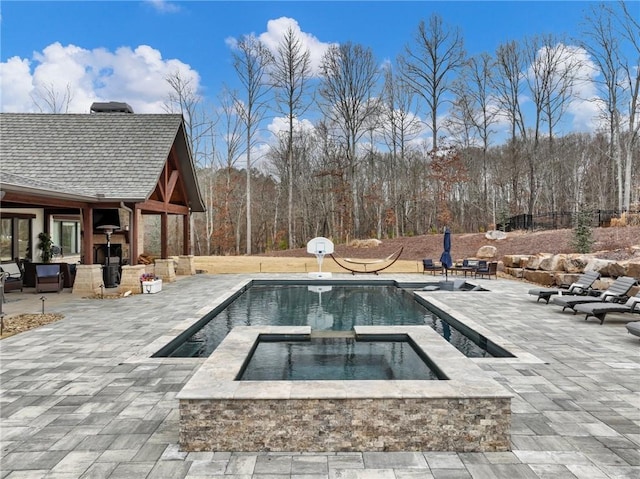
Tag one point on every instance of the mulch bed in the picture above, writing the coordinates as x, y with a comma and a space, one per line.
24, 322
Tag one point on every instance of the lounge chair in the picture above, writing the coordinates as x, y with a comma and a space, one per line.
634, 328
490, 269
581, 287
617, 292
429, 265
14, 276
49, 278
600, 310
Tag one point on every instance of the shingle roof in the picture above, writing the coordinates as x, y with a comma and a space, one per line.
118, 155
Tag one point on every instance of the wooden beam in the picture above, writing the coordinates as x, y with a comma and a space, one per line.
154, 206
133, 235
87, 234
164, 235
186, 234
171, 185
39, 201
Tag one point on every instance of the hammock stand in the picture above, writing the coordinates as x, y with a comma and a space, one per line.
363, 266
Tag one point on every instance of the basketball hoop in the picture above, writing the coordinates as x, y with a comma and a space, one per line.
320, 247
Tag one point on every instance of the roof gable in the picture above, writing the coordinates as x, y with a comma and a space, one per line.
110, 156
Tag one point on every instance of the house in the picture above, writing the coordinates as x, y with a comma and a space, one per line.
78, 177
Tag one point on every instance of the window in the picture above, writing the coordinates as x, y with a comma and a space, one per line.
6, 237
15, 236
67, 235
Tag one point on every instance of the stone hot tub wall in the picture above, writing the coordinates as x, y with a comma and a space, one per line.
410, 424
467, 412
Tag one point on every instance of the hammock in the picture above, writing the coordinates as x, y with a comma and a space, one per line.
366, 266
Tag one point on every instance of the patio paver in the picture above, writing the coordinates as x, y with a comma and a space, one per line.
77, 400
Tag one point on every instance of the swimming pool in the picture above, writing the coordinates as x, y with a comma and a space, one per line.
323, 306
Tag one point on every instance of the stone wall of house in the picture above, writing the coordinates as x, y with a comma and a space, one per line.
411, 424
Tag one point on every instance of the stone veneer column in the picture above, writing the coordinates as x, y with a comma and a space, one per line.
130, 278
165, 270
186, 266
88, 279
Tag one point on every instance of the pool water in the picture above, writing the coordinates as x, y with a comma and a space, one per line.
322, 307
336, 359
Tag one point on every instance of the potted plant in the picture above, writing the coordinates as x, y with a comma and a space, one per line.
46, 247
150, 284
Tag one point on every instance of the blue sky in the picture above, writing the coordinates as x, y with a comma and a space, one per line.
123, 50
195, 33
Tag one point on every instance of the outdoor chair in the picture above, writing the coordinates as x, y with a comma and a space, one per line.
49, 277
14, 277
429, 265
600, 310
489, 269
616, 293
634, 328
581, 287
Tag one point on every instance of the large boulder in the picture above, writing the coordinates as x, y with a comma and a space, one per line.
552, 263
544, 278
512, 260
632, 268
576, 263
487, 252
606, 267
566, 278
536, 259
495, 235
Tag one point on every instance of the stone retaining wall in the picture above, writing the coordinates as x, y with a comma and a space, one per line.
563, 269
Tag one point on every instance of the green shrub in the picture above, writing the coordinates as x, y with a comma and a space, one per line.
582, 232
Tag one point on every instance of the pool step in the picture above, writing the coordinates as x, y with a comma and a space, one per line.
326, 333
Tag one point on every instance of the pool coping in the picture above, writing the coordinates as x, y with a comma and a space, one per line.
217, 376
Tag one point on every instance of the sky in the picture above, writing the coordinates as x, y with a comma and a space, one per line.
123, 50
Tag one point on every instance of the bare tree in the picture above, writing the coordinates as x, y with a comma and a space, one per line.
48, 99
476, 111
184, 98
349, 77
400, 126
630, 29
430, 63
290, 76
553, 71
606, 31
251, 61
507, 82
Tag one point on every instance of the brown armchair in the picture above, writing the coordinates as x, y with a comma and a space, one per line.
49, 277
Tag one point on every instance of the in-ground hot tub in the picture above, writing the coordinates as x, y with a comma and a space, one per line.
462, 409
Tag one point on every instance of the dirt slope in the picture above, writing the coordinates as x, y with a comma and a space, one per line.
610, 243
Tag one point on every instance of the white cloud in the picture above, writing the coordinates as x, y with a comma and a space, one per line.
16, 84
575, 62
137, 77
281, 124
163, 6
276, 30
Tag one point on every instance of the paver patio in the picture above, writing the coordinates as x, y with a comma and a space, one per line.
78, 400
